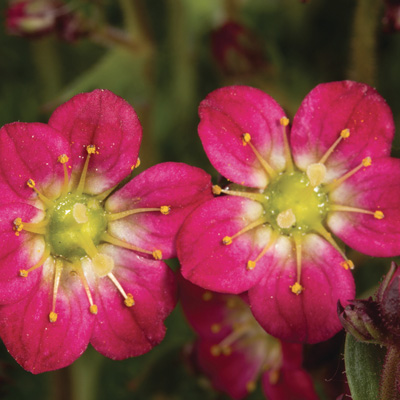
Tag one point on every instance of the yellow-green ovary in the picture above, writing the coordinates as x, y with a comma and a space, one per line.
294, 192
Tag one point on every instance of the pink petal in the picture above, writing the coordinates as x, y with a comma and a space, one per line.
206, 261
122, 331
226, 114
311, 316
177, 185
18, 252
107, 121
293, 383
332, 107
31, 151
230, 373
37, 344
203, 309
374, 188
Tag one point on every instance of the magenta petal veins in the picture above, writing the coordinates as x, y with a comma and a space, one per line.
330, 171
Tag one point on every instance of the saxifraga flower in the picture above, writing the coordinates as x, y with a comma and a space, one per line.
271, 234
234, 351
79, 261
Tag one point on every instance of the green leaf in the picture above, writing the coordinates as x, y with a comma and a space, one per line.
363, 362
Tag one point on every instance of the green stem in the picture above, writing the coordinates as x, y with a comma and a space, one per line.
390, 378
363, 43
84, 375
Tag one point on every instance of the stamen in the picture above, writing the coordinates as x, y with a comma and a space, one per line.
246, 140
344, 134
102, 196
224, 346
31, 183
251, 264
128, 298
297, 288
136, 165
227, 240
78, 267
248, 195
157, 254
33, 227
115, 216
217, 190
79, 212
338, 207
24, 272
286, 219
57, 276
316, 173
346, 264
366, 162
284, 121
63, 159
91, 149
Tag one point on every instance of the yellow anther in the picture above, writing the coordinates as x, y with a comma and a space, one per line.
296, 288
165, 210
215, 328
93, 309
284, 121
251, 264
227, 240
23, 273
63, 159
215, 350
226, 351
246, 137
216, 190
18, 225
137, 163
91, 149
251, 386
129, 302
53, 316
274, 376
207, 296
157, 254
366, 162
345, 133
347, 264
379, 214
31, 183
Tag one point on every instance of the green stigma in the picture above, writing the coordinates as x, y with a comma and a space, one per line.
294, 205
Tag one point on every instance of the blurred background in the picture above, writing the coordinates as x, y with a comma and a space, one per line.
164, 57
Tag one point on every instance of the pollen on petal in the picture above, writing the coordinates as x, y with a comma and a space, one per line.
53, 316
157, 254
227, 240
129, 301
379, 214
296, 288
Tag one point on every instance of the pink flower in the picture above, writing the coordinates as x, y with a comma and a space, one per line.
271, 235
80, 261
235, 352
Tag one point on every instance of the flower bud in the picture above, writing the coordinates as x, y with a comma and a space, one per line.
391, 19
360, 318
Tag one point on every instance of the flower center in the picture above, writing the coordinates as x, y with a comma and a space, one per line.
293, 204
74, 218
